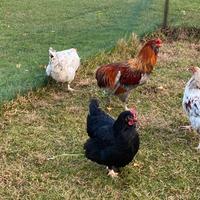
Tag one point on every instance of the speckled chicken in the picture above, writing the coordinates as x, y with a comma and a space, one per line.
191, 100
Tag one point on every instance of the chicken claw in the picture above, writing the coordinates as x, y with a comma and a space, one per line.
137, 165
189, 127
70, 89
198, 148
112, 173
109, 108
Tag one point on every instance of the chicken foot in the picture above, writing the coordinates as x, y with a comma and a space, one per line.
189, 127
112, 171
124, 98
69, 88
198, 147
108, 102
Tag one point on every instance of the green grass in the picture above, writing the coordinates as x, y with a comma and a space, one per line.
29, 28
184, 13
51, 121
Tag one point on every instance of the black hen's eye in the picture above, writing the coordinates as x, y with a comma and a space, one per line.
51, 56
128, 118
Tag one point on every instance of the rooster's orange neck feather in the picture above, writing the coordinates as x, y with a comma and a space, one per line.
145, 60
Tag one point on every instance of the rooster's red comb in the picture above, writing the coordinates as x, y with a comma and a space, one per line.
158, 41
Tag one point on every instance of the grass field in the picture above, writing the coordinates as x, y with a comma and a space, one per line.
51, 121
28, 29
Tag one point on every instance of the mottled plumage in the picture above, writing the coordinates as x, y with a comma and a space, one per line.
191, 100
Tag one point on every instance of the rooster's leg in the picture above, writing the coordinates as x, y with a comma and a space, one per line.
108, 103
124, 99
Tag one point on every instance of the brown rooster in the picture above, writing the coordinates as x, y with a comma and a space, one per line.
120, 78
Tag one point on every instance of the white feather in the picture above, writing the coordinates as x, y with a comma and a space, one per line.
63, 65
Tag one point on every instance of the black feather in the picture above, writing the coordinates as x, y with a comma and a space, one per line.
113, 143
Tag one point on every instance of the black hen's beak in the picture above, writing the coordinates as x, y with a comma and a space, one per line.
131, 121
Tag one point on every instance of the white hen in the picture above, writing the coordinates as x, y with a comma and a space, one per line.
191, 100
63, 65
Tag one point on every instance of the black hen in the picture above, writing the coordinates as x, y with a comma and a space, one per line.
113, 143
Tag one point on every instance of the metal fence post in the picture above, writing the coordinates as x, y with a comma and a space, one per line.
166, 9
